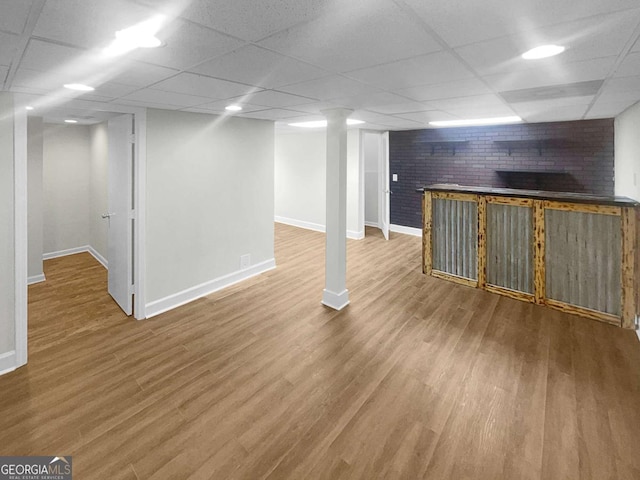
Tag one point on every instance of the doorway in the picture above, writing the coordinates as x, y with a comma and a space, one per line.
375, 150
81, 195
133, 191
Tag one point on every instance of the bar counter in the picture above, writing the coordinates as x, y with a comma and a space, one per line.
572, 252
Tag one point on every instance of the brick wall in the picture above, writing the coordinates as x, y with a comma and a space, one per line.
573, 157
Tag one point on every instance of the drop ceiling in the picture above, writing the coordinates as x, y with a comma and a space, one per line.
398, 63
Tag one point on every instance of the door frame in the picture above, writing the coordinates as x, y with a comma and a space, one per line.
20, 213
380, 192
384, 190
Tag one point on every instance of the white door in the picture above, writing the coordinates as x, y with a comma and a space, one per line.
119, 216
385, 212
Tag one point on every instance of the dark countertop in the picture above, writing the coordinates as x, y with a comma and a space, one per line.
537, 194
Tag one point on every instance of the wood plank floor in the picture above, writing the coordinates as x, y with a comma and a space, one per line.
417, 378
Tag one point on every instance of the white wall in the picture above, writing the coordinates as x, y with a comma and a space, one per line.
300, 180
35, 195
7, 228
66, 182
99, 227
627, 153
355, 200
209, 201
371, 147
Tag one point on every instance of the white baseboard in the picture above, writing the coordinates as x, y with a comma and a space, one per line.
638, 334
316, 227
189, 295
64, 253
416, 232
103, 261
371, 224
337, 301
8, 362
36, 279
72, 251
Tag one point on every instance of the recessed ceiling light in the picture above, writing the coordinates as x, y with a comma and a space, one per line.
233, 108
79, 87
71, 121
476, 121
323, 123
28, 107
543, 51
138, 39
142, 35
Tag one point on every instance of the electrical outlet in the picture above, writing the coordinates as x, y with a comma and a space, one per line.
245, 261
395, 177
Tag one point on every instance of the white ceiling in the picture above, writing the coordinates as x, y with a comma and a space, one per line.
398, 63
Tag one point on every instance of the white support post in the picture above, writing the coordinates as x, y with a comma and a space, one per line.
335, 294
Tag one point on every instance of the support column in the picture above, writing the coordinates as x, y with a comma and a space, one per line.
335, 294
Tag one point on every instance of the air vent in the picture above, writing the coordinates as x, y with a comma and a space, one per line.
580, 89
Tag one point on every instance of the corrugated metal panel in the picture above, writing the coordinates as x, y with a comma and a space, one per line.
455, 237
510, 247
583, 255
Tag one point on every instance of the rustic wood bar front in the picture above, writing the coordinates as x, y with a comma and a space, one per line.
572, 252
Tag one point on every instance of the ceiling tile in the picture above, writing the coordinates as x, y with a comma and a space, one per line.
88, 23
219, 107
8, 44
557, 114
460, 22
380, 119
246, 19
316, 108
139, 74
270, 98
585, 40
456, 88
212, 88
481, 111
553, 92
14, 15
186, 45
430, 116
434, 68
606, 109
52, 82
621, 89
45, 81
256, 66
630, 66
328, 88
623, 84
273, 114
398, 108
531, 111
146, 104
393, 103
89, 66
539, 77
475, 101
42, 56
167, 98
115, 90
360, 34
